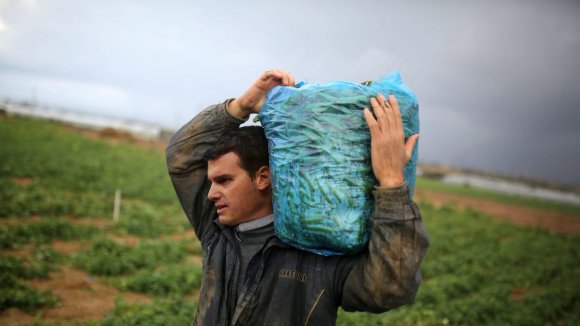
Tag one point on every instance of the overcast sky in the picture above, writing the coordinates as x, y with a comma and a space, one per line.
498, 81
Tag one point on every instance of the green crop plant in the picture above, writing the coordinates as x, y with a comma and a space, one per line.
107, 257
15, 266
14, 290
42, 232
39, 198
483, 272
15, 293
167, 281
478, 271
63, 159
145, 220
161, 312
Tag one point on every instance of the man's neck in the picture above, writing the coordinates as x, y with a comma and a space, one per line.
255, 224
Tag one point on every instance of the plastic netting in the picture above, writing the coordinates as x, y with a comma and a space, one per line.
319, 146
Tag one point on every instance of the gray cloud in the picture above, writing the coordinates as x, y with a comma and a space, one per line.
498, 81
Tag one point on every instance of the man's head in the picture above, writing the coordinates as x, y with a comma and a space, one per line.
238, 168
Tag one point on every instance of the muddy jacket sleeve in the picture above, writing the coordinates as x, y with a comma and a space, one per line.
188, 168
387, 274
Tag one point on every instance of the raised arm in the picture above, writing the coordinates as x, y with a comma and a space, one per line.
254, 97
187, 167
186, 150
387, 275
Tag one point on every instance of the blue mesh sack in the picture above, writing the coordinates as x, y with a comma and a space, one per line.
319, 146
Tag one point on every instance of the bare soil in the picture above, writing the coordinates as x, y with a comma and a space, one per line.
23, 182
116, 136
555, 222
86, 298
83, 298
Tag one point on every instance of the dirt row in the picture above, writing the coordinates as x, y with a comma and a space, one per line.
555, 222
85, 297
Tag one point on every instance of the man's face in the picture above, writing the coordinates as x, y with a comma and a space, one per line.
236, 196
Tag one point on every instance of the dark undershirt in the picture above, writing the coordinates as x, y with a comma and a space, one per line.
251, 237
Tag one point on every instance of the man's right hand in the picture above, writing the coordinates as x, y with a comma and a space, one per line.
254, 97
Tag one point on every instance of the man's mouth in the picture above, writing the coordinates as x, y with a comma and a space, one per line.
220, 208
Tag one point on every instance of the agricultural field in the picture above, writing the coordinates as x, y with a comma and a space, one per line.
65, 261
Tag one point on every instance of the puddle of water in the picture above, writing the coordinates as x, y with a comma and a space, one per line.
513, 188
84, 119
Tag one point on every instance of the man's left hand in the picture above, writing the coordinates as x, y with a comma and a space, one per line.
389, 151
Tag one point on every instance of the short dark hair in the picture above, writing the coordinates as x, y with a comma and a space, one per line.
249, 143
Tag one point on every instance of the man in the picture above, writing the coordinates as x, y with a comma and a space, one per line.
220, 173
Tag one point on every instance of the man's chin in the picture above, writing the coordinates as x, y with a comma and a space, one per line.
225, 220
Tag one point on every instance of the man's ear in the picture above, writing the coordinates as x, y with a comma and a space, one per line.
263, 177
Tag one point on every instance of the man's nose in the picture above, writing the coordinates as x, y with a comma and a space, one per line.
212, 194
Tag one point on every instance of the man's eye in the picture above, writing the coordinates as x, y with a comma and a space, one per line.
223, 181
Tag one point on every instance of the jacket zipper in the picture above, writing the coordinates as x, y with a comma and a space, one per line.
313, 307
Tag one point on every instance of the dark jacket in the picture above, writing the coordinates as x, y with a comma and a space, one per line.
285, 285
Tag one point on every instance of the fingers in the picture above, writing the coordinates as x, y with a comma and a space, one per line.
371, 122
387, 122
379, 112
281, 77
409, 146
390, 105
386, 111
394, 105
